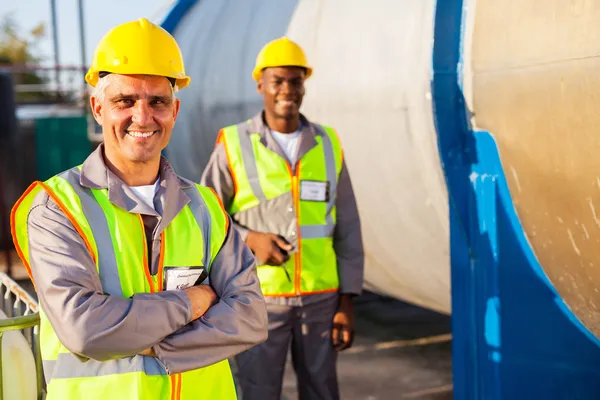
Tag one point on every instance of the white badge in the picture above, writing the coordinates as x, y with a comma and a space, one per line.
181, 278
313, 190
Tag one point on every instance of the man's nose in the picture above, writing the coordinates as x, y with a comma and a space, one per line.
142, 113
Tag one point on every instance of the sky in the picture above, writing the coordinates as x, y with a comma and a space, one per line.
99, 17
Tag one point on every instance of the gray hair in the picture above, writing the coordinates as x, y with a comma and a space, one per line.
99, 90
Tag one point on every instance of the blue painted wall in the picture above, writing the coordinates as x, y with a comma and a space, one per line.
513, 336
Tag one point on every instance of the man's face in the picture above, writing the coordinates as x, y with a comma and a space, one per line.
137, 115
283, 90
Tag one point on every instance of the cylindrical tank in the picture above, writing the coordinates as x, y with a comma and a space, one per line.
18, 366
371, 81
469, 126
532, 80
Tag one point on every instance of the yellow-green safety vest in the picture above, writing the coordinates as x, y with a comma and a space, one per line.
202, 222
260, 176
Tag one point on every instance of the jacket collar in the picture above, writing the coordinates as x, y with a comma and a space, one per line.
170, 198
307, 136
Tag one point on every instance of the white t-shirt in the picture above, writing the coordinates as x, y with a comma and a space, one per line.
146, 193
288, 143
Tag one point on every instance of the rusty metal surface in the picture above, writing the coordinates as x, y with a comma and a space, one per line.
535, 88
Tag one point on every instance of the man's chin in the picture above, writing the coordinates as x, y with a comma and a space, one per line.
288, 116
143, 158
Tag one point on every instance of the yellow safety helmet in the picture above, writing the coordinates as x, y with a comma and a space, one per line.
138, 47
280, 52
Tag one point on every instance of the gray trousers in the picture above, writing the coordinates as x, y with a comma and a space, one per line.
308, 328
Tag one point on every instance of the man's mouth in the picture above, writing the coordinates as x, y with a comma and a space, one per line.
141, 134
287, 103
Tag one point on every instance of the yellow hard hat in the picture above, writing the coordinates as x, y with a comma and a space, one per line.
280, 52
138, 47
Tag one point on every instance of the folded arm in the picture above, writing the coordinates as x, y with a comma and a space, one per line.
87, 321
235, 323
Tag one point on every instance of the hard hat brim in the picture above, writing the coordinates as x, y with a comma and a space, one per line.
256, 74
92, 78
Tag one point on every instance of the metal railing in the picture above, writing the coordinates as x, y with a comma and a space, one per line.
22, 312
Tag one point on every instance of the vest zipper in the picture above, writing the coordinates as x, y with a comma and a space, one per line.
296, 198
175, 379
146, 264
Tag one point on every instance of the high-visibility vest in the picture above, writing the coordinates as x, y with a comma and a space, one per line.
299, 206
122, 265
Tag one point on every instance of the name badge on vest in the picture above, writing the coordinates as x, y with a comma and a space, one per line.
180, 278
314, 191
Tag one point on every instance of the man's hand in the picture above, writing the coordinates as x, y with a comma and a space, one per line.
342, 334
202, 298
268, 248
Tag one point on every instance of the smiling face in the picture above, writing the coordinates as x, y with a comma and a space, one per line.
283, 91
137, 114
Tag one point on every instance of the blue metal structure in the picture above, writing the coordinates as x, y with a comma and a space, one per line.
513, 335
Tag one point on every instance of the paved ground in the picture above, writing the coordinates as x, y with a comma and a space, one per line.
400, 352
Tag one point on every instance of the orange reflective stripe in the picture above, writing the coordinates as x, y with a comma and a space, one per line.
161, 261
223, 138
222, 208
220, 138
145, 266
71, 218
63, 208
173, 379
298, 255
13, 228
178, 386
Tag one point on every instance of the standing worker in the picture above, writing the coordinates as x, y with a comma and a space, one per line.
145, 288
284, 181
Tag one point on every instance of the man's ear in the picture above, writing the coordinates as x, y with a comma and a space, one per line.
260, 88
176, 106
97, 110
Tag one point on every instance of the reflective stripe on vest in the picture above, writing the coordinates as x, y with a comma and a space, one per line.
202, 221
261, 175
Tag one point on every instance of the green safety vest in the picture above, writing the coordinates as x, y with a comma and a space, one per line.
261, 176
97, 220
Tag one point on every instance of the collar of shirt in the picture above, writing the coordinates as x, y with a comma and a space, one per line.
170, 198
307, 136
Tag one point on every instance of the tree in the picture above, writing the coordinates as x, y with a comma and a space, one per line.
20, 51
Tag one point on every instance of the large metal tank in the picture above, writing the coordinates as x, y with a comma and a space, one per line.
371, 81
469, 128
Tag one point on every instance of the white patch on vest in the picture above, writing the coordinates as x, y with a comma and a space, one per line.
181, 278
313, 191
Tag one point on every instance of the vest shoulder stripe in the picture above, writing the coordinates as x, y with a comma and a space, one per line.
71, 218
224, 137
225, 215
13, 226
336, 143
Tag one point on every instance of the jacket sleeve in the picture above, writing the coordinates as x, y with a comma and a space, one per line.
217, 175
237, 322
347, 237
87, 321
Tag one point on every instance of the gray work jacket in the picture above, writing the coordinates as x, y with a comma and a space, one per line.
347, 237
99, 326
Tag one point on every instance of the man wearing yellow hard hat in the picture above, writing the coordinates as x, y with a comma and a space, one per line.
283, 180
145, 288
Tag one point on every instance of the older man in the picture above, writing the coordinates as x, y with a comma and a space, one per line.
145, 287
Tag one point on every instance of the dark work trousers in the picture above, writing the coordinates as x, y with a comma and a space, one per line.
308, 328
